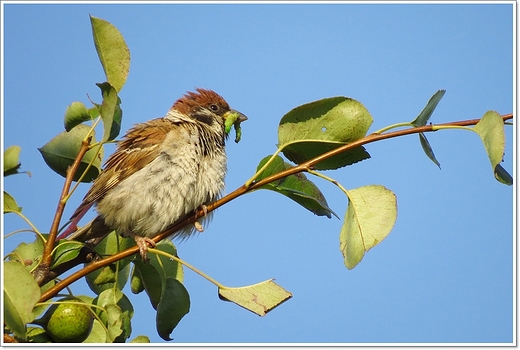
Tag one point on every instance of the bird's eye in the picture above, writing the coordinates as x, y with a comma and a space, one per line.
214, 107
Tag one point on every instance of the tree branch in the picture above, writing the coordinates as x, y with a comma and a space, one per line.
42, 271
191, 218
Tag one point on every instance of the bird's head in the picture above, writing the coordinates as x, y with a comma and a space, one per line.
208, 107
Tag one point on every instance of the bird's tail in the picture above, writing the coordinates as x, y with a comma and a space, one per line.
93, 232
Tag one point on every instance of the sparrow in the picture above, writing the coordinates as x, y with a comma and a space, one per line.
161, 170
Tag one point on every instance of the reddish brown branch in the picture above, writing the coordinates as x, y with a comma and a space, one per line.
42, 271
243, 190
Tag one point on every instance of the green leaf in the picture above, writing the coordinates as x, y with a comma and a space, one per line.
371, 214
111, 112
65, 251
502, 175
174, 304
259, 298
428, 149
339, 119
10, 204
21, 293
427, 111
151, 281
114, 321
112, 51
107, 274
11, 160
423, 118
491, 130
119, 312
140, 339
60, 153
114, 243
29, 254
75, 114
105, 277
164, 266
94, 111
314, 128
296, 187
98, 334
38, 310
153, 274
303, 151
118, 272
38, 335
136, 281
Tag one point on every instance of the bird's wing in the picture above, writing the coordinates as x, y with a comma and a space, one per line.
139, 147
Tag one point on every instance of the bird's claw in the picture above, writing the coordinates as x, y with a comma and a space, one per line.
143, 243
198, 225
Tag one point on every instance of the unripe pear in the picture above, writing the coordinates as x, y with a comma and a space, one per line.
69, 321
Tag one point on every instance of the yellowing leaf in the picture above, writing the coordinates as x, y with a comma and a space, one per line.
259, 298
11, 160
371, 214
320, 126
491, 130
10, 204
140, 339
112, 51
339, 119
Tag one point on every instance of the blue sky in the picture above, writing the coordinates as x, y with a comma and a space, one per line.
445, 272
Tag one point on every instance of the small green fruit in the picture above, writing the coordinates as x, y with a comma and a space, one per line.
69, 322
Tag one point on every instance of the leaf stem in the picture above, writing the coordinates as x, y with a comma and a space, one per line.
325, 177
34, 229
250, 181
393, 126
189, 266
20, 231
445, 127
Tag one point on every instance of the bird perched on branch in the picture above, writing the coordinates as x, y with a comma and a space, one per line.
161, 170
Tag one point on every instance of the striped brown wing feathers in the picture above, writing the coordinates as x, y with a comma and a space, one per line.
139, 147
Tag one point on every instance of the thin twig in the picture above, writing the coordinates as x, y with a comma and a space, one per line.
42, 271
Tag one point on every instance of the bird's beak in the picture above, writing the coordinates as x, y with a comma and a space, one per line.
234, 118
238, 117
